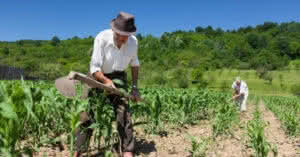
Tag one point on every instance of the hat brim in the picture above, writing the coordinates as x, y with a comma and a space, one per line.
115, 29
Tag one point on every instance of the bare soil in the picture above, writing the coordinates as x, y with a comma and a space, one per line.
174, 142
287, 146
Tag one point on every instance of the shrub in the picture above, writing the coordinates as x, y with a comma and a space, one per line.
295, 89
5, 50
55, 41
182, 82
23, 51
197, 78
159, 79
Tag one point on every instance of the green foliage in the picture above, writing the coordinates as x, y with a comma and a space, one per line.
5, 50
179, 75
268, 45
20, 42
295, 64
55, 41
287, 110
295, 89
38, 43
23, 51
199, 148
226, 117
224, 86
264, 74
257, 137
198, 79
27, 109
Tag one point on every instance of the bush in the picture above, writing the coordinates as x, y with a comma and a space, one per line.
160, 80
224, 86
5, 50
182, 83
55, 41
37, 43
264, 74
20, 42
268, 77
23, 52
295, 89
197, 78
179, 75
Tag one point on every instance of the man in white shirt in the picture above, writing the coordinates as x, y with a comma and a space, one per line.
114, 50
240, 93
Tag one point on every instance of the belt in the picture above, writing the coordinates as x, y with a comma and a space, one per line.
116, 74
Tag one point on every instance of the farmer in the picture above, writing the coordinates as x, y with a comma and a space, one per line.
114, 50
240, 93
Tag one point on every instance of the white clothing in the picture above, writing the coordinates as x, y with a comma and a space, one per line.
242, 100
107, 57
243, 88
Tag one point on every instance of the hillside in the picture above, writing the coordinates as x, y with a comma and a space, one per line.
176, 59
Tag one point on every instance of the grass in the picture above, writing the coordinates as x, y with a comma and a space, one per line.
256, 85
221, 80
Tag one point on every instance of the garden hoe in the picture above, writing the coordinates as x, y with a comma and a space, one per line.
67, 85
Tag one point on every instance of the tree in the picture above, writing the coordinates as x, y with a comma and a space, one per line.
282, 44
245, 29
20, 42
266, 26
55, 41
209, 31
294, 49
23, 51
256, 41
37, 43
139, 37
5, 50
199, 29
219, 31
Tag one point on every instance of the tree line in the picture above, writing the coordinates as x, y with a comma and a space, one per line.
269, 46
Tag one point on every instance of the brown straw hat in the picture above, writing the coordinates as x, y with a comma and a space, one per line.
124, 24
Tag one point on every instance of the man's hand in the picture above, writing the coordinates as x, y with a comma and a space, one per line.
106, 81
236, 96
109, 83
135, 95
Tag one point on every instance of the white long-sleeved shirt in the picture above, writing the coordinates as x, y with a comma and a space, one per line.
243, 88
107, 57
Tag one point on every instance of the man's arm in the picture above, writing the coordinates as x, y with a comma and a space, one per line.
134, 74
97, 62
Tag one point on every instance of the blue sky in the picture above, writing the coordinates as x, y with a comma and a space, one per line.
42, 19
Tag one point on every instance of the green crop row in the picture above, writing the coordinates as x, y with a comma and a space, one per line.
287, 109
35, 114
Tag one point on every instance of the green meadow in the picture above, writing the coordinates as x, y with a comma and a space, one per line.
280, 85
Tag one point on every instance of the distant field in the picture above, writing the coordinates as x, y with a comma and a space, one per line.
224, 78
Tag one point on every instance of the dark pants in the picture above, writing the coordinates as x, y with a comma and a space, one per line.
123, 117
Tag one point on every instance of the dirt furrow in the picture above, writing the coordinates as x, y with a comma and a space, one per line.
287, 146
175, 144
235, 145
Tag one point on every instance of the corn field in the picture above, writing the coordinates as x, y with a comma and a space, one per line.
35, 115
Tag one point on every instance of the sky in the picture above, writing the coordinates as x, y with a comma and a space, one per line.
43, 19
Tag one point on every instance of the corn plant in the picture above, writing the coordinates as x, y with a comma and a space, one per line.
287, 110
37, 113
257, 137
198, 148
226, 117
